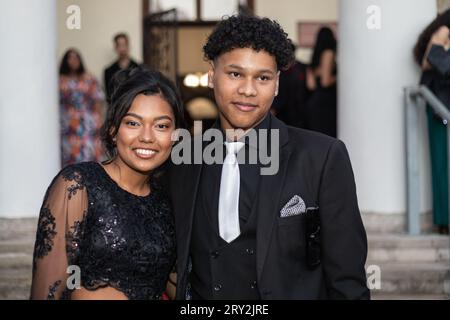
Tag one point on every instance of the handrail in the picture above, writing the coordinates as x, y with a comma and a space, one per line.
417, 97
437, 106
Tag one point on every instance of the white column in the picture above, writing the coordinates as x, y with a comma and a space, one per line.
374, 67
29, 125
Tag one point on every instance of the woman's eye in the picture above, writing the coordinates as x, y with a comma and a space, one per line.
132, 123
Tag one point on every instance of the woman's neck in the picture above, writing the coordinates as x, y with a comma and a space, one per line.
74, 75
127, 178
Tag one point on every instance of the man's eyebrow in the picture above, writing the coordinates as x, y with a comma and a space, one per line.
235, 66
267, 71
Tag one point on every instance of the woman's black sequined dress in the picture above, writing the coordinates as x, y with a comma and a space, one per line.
106, 235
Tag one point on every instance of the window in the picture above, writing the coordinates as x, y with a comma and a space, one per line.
199, 10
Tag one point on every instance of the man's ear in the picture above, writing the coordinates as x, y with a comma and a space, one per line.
211, 76
277, 84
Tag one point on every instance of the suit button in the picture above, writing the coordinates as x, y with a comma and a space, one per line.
217, 287
215, 254
253, 285
250, 251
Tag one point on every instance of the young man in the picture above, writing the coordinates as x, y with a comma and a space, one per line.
245, 235
122, 47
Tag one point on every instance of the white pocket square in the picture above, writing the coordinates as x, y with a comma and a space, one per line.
293, 207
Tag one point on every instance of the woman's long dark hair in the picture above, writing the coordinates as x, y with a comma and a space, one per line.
422, 43
325, 41
64, 68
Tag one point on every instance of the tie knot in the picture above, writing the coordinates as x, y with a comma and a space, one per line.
233, 147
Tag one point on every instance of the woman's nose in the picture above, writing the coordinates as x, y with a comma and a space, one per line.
147, 135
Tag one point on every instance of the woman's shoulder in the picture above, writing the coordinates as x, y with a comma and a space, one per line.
71, 179
80, 172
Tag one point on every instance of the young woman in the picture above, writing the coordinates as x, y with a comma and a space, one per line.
110, 224
321, 81
432, 53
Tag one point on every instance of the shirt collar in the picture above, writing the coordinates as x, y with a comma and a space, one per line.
263, 125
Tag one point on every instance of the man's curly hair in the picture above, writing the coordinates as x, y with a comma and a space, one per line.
241, 31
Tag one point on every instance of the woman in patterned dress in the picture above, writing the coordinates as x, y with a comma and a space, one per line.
81, 111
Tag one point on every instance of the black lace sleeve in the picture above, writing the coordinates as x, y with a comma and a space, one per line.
61, 216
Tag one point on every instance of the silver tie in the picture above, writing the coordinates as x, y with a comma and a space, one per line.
229, 194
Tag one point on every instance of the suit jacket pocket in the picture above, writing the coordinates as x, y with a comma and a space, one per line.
292, 220
290, 238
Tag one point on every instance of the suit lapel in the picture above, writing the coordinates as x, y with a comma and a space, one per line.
270, 190
188, 200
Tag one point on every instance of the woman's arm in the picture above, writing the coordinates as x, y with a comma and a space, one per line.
310, 79
61, 214
327, 65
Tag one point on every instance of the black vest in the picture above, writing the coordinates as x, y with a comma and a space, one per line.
222, 270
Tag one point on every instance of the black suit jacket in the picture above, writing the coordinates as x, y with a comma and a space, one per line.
317, 168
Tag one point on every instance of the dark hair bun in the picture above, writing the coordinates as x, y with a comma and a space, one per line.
118, 79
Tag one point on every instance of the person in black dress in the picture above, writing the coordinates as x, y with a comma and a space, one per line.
321, 109
110, 224
290, 103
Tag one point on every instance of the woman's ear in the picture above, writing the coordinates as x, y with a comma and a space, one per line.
278, 83
113, 134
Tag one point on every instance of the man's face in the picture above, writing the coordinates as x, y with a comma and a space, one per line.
122, 47
245, 83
